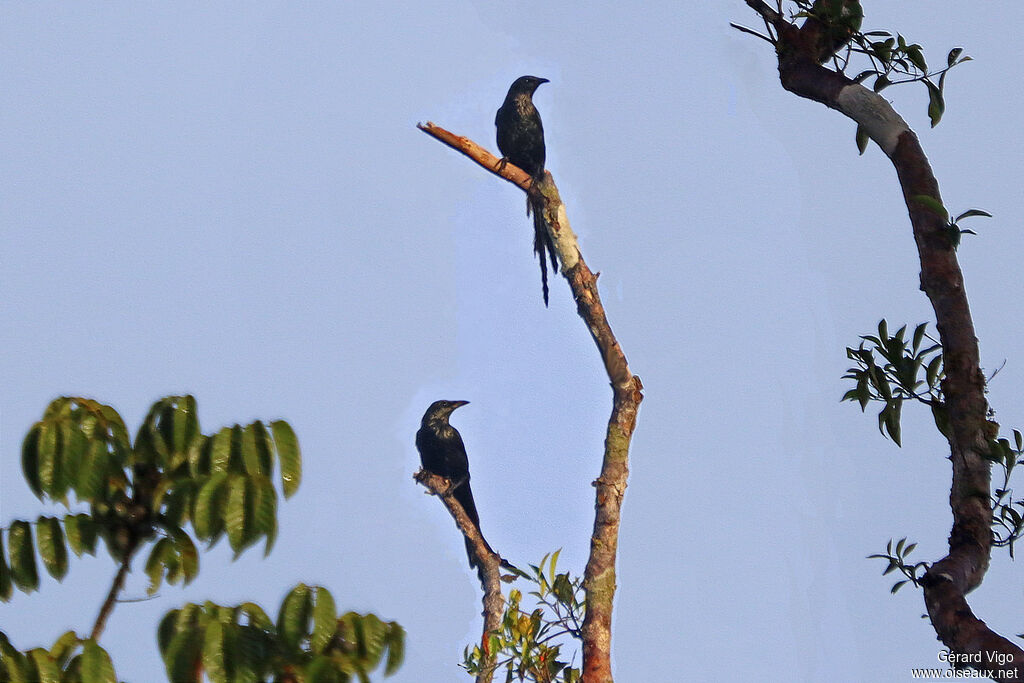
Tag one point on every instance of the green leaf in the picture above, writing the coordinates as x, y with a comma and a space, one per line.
220, 454
52, 550
892, 422
288, 455
208, 516
50, 449
971, 213
46, 669
936, 104
325, 619
293, 618
156, 564
933, 371
265, 512
941, 419
881, 83
30, 459
952, 56
96, 664
181, 656
81, 533
23, 559
862, 139
187, 554
395, 642
914, 55
932, 204
237, 521
166, 629
93, 473
323, 669
214, 654
64, 647
919, 333
186, 424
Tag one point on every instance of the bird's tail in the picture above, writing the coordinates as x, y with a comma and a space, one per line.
542, 241
464, 494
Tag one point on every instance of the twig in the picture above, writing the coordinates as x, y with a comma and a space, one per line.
115, 588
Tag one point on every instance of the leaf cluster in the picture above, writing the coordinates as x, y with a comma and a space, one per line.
890, 58
1008, 514
953, 230
70, 660
308, 643
895, 375
529, 645
897, 559
172, 476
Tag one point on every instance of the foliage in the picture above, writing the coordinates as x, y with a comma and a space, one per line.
895, 378
897, 558
890, 59
1007, 515
953, 230
308, 643
898, 378
71, 660
529, 646
171, 477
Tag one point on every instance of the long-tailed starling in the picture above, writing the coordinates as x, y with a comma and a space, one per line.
521, 142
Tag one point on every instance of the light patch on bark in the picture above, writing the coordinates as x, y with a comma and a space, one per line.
871, 110
566, 245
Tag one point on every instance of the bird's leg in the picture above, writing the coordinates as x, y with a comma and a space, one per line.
502, 163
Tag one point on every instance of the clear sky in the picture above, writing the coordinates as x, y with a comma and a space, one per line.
232, 200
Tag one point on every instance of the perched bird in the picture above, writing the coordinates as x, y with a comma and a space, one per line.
521, 142
443, 453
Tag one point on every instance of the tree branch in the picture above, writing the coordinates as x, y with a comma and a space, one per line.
947, 581
487, 560
115, 589
599, 575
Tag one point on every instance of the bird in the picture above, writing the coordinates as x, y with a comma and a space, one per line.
521, 142
443, 453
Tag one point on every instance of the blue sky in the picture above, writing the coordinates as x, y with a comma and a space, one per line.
232, 200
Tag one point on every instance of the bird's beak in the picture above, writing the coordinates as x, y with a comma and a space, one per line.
542, 80
459, 404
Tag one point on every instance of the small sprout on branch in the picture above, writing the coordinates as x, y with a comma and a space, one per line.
897, 559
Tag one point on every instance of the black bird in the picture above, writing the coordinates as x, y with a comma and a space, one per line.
521, 142
443, 453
